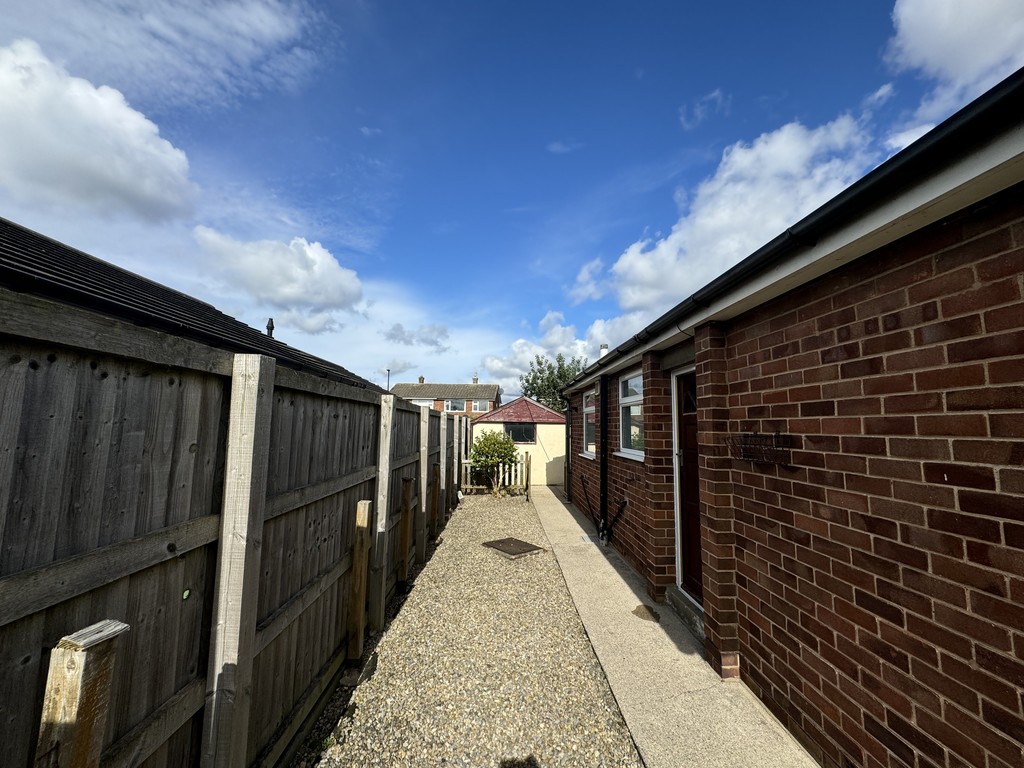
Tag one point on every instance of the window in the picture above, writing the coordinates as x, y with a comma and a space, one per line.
455, 405
590, 423
522, 433
421, 403
481, 406
631, 409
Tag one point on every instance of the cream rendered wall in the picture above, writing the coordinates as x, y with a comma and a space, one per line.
547, 455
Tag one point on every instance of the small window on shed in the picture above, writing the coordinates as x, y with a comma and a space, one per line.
522, 433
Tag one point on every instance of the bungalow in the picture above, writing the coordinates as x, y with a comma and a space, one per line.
818, 457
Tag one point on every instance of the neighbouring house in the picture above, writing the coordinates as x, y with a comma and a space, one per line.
818, 458
535, 429
460, 399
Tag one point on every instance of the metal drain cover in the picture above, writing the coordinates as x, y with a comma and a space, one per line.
513, 548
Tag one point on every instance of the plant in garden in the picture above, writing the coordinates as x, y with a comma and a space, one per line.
490, 452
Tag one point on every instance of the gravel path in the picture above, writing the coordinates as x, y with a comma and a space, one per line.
486, 663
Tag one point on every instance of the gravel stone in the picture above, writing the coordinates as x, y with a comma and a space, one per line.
486, 664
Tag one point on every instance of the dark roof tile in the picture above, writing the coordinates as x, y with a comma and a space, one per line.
35, 264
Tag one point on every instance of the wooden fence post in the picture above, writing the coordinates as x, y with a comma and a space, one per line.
421, 508
379, 570
233, 637
405, 530
360, 564
442, 514
74, 718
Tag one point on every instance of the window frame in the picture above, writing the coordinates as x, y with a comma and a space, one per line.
448, 405
630, 402
508, 431
486, 406
589, 409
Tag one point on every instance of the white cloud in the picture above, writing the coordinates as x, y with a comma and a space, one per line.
904, 138
758, 190
369, 132
563, 147
433, 335
965, 47
301, 278
588, 285
396, 368
65, 143
175, 51
880, 96
713, 103
555, 338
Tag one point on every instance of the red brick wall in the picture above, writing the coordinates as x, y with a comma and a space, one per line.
644, 530
874, 590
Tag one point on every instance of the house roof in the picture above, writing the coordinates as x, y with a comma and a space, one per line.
522, 410
487, 392
975, 153
34, 264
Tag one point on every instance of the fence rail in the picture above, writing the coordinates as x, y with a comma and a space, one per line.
209, 502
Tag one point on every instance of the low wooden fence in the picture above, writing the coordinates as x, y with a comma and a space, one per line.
512, 477
209, 502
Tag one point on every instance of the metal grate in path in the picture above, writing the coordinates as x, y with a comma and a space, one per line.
513, 548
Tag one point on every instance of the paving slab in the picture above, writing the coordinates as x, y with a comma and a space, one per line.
678, 710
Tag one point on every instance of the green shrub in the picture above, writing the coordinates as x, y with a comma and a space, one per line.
490, 452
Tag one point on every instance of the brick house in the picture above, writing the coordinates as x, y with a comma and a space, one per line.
818, 458
469, 400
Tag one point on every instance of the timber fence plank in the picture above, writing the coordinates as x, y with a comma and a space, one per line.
144, 739
405, 532
30, 591
287, 378
287, 614
31, 317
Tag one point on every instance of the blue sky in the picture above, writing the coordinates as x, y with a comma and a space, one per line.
447, 188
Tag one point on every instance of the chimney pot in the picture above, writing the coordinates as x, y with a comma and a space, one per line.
421, 379
604, 350
476, 379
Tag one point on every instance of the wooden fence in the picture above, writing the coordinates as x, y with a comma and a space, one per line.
513, 477
209, 502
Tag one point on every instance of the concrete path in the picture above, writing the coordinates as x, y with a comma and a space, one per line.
678, 709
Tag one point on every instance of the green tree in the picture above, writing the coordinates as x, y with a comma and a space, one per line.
545, 379
490, 452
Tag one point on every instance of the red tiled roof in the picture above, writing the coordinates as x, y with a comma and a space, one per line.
522, 410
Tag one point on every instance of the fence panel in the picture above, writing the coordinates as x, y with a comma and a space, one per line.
112, 476
322, 462
110, 488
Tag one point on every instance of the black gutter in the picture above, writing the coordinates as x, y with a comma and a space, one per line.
974, 125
